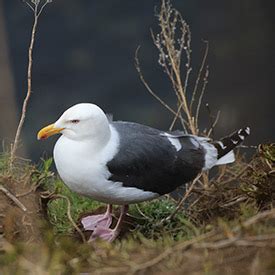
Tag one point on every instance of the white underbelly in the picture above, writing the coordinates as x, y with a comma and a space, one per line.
89, 177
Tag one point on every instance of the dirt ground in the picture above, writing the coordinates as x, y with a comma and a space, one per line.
19, 223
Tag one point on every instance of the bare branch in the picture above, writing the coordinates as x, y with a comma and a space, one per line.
205, 81
30, 6
37, 13
172, 41
213, 123
199, 74
137, 65
42, 7
13, 198
186, 195
59, 196
170, 250
178, 115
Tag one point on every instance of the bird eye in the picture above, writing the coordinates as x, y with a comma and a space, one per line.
75, 121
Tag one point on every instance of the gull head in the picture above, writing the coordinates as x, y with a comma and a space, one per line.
82, 122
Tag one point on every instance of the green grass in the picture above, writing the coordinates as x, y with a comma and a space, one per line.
57, 208
147, 237
146, 216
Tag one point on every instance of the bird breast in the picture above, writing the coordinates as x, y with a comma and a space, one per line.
81, 169
86, 173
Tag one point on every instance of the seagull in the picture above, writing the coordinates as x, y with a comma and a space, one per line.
119, 162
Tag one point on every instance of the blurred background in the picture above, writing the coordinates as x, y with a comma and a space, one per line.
84, 52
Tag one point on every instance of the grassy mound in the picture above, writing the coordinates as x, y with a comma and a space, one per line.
226, 225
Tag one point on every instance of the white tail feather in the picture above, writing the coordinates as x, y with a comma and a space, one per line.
211, 156
228, 158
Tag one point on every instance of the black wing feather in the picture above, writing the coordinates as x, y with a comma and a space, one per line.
147, 160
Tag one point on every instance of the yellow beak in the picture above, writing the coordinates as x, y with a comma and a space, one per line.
48, 131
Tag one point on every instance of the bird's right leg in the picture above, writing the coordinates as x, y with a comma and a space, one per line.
109, 234
102, 220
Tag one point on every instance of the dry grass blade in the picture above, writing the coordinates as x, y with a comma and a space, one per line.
269, 214
213, 122
205, 81
184, 198
59, 196
199, 74
173, 249
171, 48
173, 42
137, 65
13, 198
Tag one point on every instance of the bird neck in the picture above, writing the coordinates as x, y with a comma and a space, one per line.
102, 136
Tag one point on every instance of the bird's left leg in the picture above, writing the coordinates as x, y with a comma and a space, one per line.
109, 234
103, 220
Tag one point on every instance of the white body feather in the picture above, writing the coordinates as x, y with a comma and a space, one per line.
83, 168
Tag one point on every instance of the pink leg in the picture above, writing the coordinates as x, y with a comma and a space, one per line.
102, 220
109, 234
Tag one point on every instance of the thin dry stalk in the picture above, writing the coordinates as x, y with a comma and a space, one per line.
213, 122
173, 42
205, 81
138, 68
13, 198
58, 196
171, 48
268, 214
203, 63
166, 253
37, 7
174, 46
184, 198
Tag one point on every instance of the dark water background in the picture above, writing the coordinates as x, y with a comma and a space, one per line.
84, 52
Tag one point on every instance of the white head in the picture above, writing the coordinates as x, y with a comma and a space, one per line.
81, 122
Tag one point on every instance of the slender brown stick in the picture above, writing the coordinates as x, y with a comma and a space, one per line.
13, 198
268, 214
199, 74
137, 65
186, 195
205, 81
170, 250
58, 196
37, 9
213, 124
183, 121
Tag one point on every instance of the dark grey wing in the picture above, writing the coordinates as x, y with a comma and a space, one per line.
147, 160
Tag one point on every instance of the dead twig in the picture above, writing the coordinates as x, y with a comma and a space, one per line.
205, 81
186, 195
59, 196
236, 200
137, 65
232, 242
178, 247
200, 73
269, 214
141, 213
13, 198
213, 122
37, 7
217, 245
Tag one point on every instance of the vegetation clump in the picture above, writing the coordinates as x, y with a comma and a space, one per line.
199, 231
